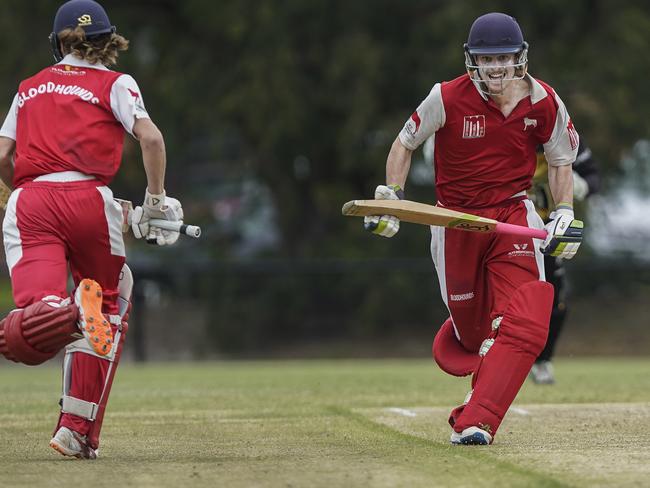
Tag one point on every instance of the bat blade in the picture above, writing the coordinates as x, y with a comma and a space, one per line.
419, 213
422, 213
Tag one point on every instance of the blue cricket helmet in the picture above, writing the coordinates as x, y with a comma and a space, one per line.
86, 14
495, 33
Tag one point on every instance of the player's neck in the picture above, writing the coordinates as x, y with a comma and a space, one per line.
511, 96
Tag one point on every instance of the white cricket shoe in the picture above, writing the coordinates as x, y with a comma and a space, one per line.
70, 443
542, 373
471, 436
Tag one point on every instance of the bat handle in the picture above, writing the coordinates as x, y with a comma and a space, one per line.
520, 230
178, 226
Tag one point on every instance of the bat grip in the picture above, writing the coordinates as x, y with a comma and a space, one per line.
177, 226
520, 230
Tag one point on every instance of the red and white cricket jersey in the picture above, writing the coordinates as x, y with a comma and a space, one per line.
72, 117
482, 158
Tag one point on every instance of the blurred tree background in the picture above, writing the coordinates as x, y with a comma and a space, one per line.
276, 112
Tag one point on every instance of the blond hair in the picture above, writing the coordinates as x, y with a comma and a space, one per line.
102, 49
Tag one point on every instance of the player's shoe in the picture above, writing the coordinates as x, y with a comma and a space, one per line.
92, 322
542, 373
70, 443
471, 436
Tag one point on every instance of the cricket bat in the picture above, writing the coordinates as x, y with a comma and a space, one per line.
421, 213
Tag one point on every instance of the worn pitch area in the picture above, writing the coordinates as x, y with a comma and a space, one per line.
604, 444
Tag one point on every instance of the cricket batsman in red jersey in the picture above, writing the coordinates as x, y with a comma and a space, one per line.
487, 124
60, 146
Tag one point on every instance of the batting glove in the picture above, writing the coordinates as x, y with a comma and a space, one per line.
156, 207
385, 225
564, 234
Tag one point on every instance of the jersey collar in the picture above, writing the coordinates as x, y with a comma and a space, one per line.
72, 60
537, 92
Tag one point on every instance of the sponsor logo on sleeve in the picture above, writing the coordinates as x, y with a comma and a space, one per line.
573, 135
413, 124
134, 94
138, 100
473, 126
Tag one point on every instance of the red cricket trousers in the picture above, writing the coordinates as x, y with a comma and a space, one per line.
60, 222
479, 274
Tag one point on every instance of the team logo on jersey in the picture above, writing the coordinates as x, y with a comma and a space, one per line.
413, 124
573, 135
58, 88
529, 123
85, 20
473, 126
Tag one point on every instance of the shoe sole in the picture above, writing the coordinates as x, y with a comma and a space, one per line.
476, 439
92, 322
63, 451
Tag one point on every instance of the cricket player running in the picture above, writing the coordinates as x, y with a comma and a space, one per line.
60, 145
487, 124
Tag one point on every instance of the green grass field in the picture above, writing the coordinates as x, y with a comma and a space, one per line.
331, 423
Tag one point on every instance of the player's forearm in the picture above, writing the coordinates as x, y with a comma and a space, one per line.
154, 156
398, 164
560, 180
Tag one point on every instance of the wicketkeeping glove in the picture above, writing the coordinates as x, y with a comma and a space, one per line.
385, 225
564, 234
156, 207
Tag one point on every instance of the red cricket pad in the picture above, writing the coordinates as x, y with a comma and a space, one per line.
450, 354
96, 427
88, 370
520, 338
36, 333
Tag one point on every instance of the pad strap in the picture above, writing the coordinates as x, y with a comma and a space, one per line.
75, 406
82, 345
80, 408
115, 320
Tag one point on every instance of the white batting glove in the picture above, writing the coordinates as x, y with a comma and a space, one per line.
564, 234
385, 225
156, 207
580, 187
